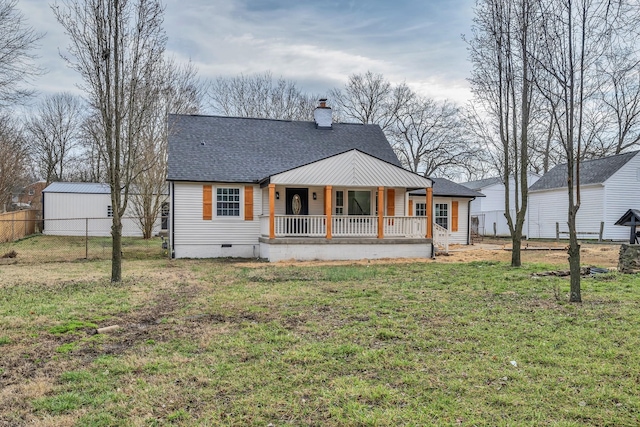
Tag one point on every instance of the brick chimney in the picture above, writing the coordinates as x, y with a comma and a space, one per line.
322, 115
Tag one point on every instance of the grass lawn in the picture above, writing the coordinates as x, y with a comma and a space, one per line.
229, 343
38, 248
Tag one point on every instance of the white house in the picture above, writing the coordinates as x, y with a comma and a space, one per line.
608, 188
487, 213
280, 189
451, 204
84, 208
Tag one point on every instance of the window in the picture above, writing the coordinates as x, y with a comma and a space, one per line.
359, 202
32, 191
110, 211
441, 215
228, 202
340, 202
421, 209
164, 223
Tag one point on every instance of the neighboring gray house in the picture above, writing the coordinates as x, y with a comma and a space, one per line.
280, 189
608, 188
451, 208
488, 212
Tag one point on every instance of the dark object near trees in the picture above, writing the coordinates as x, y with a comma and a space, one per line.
11, 254
631, 219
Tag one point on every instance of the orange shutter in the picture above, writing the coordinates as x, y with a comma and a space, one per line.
207, 202
391, 202
248, 203
454, 216
410, 208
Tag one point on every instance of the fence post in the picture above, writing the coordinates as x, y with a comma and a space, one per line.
13, 225
601, 231
557, 232
86, 238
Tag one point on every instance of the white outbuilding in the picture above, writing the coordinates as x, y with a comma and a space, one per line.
609, 187
84, 208
487, 213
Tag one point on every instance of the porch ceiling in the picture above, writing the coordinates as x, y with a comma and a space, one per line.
351, 169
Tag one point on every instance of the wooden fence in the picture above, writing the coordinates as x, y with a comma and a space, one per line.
16, 225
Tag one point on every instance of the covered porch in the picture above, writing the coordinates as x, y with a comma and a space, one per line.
349, 206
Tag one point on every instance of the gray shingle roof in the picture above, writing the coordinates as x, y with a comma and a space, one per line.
232, 149
594, 171
482, 183
444, 188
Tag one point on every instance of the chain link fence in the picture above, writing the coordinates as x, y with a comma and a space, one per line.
74, 239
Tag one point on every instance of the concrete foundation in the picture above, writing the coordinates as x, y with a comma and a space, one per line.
308, 249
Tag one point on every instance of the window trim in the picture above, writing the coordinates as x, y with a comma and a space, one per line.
436, 217
239, 202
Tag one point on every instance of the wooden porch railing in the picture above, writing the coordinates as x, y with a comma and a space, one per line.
344, 226
405, 226
440, 237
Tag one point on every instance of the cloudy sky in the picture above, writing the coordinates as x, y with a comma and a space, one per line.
318, 43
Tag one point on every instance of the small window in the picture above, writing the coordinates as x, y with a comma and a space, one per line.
359, 202
421, 209
228, 202
32, 192
110, 211
442, 214
340, 202
164, 223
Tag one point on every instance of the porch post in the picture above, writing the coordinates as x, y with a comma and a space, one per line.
328, 189
272, 211
380, 212
429, 213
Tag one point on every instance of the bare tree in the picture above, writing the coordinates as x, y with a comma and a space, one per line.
115, 46
14, 160
182, 94
503, 39
53, 130
429, 138
371, 99
575, 34
17, 41
260, 96
620, 94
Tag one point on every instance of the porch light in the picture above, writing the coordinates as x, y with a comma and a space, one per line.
278, 195
315, 196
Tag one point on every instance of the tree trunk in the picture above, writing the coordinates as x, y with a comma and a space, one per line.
116, 248
574, 259
516, 244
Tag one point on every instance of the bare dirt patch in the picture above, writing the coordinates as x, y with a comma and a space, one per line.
596, 254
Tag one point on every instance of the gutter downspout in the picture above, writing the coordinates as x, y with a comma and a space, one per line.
469, 221
173, 221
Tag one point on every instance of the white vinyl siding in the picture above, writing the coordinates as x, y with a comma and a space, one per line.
621, 193
316, 207
551, 206
460, 237
65, 215
198, 238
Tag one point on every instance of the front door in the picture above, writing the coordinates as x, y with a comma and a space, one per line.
297, 203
